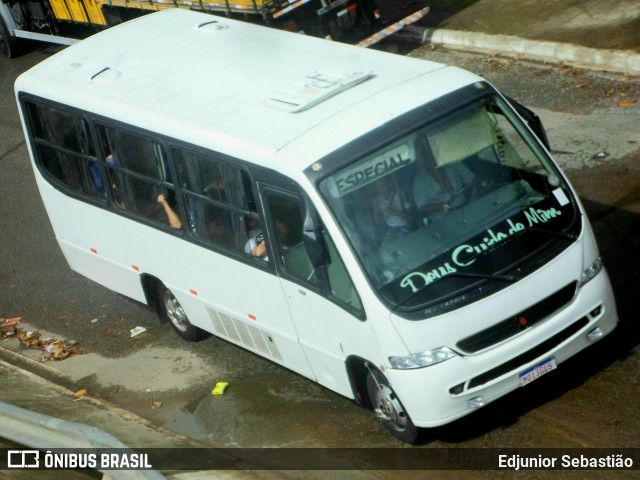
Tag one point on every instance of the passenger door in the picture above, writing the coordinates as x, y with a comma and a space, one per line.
325, 307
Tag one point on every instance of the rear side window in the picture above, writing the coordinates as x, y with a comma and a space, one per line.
199, 194
139, 174
64, 150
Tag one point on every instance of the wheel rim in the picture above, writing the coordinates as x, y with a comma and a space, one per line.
175, 313
389, 409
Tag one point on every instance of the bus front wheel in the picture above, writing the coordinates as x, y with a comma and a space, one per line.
389, 409
170, 310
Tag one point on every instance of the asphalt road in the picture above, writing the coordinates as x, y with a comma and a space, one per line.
592, 400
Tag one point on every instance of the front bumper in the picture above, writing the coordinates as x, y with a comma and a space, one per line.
442, 393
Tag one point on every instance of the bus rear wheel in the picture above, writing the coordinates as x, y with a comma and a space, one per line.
170, 310
389, 409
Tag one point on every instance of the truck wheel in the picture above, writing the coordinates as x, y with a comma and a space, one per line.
8, 43
169, 309
388, 408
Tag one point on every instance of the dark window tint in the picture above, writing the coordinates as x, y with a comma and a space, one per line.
287, 220
215, 180
219, 202
64, 150
139, 175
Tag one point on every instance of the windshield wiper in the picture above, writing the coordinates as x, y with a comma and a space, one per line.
570, 236
504, 278
484, 276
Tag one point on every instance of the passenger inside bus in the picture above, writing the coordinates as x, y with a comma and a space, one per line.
283, 232
219, 230
174, 219
215, 189
256, 246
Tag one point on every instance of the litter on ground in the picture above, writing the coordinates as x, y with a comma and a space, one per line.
220, 388
137, 331
51, 348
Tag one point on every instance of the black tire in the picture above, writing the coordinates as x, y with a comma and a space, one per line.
170, 310
8, 43
389, 409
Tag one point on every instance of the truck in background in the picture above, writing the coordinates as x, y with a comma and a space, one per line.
365, 22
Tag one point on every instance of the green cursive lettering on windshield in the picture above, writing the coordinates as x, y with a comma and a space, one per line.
466, 254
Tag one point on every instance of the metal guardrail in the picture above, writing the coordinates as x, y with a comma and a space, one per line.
36, 430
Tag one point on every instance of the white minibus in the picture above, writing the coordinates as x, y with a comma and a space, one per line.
392, 228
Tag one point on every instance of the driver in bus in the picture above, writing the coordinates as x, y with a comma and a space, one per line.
438, 190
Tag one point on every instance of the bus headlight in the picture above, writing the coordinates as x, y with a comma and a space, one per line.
591, 271
422, 359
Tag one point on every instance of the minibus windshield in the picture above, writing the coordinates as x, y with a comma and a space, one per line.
458, 203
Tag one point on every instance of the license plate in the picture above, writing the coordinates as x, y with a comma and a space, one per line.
537, 371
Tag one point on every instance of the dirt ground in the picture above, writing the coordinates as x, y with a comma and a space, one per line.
591, 23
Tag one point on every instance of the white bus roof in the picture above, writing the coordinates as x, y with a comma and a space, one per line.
223, 84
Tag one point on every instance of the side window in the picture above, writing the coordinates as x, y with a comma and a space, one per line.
213, 179
340, 284
287, 220
139, 175
219, 203
64, 150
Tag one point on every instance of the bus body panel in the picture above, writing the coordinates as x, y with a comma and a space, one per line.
441, 406
374, 111
209, 286
506, 303
329, 334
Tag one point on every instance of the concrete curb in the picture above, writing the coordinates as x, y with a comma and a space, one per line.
622, 61
121, 423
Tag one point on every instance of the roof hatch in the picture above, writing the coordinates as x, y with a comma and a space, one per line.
313, 89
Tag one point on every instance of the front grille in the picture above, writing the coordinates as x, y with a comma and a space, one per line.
529, 355
519, 322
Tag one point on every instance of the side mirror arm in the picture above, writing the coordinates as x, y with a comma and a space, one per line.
532, 120
312, 236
